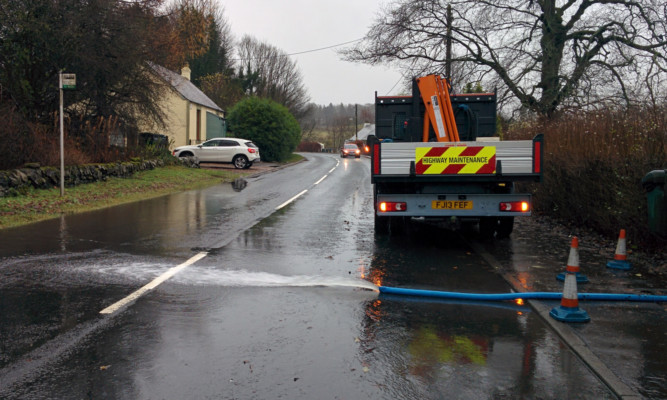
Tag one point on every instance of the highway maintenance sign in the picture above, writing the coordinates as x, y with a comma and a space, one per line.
443, 160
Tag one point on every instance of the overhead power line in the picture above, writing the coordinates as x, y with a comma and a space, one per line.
308, 51
325, 48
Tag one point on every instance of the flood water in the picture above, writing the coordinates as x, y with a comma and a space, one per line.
283, 306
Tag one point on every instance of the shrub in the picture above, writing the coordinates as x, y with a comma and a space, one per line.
593, 166
86, 141
25, 142
312, 147
267, 123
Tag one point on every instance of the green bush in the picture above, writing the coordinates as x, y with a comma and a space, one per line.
270, 125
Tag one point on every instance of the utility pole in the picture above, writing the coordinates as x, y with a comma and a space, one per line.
356, 126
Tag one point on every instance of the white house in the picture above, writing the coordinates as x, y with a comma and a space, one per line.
192, 116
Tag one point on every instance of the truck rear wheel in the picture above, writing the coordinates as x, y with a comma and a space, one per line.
487, 227
505, 227
397, 225
381, 225
390, 225
500, 227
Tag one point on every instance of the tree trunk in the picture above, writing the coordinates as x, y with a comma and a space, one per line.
552, 45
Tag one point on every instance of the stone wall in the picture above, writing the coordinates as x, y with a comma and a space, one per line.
32, 175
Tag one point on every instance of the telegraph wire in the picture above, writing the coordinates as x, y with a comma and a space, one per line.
397, 82
325, 48
306, 51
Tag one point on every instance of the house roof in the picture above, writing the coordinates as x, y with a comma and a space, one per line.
368, 129
183, 86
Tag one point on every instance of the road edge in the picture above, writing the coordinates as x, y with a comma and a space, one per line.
574, 342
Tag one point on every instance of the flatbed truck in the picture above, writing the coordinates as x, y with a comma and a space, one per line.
435, 157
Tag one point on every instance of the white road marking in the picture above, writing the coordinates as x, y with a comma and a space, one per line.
291, 200
151, 285
173, 271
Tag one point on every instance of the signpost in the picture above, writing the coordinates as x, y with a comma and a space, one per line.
65, 82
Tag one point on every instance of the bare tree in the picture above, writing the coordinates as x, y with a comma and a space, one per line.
279, 77
544, 54
309, 124
339, 128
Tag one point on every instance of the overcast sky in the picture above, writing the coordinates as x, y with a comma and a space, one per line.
296, 26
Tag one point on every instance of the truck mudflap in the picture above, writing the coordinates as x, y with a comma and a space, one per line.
463, 205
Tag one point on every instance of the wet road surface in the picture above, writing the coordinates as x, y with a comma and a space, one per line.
281, 305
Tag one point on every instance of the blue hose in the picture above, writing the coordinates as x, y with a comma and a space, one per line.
525, 296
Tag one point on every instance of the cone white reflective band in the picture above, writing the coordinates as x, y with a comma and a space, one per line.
573, 260
620, 250
570, 298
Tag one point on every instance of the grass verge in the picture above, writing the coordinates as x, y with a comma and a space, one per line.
38, 205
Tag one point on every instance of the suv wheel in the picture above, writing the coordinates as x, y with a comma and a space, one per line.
240, 162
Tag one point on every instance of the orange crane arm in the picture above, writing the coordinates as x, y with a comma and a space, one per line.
434, 91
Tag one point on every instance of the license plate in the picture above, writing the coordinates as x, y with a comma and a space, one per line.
451, 205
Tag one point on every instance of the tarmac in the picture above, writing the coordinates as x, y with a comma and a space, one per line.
533, 238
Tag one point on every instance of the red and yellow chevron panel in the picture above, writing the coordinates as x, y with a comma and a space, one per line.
455, 160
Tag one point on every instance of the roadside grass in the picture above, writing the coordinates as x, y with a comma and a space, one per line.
293, 158
37, 205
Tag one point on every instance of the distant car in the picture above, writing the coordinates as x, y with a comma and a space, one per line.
350, 149
240, 152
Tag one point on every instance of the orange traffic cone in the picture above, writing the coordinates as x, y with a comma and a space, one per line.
620, 256
573, 263
569, 310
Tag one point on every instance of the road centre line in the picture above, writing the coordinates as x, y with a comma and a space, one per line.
304, 192
152, 285
173, 271
291, 200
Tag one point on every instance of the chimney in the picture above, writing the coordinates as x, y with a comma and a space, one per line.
185, 72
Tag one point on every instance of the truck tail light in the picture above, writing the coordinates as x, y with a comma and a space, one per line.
537, 154
376, 159
515, 206
390, 206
